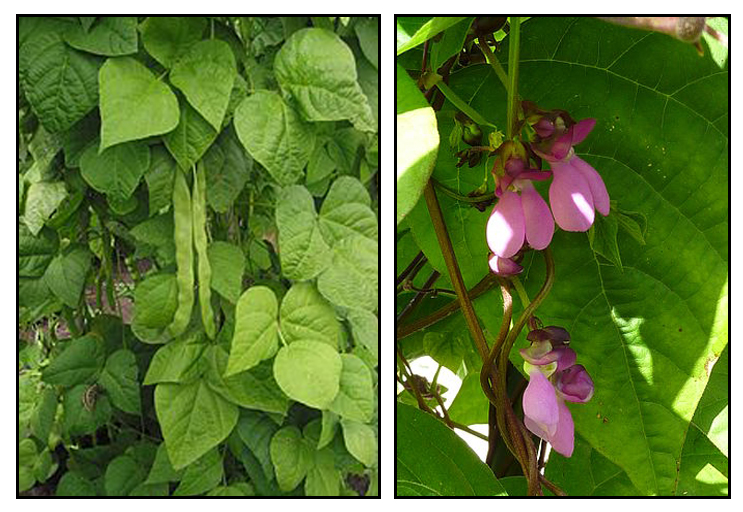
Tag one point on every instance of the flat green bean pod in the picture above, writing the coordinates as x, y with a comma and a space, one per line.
198, 204
183, 235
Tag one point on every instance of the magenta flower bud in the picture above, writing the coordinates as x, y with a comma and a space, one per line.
504, 266
574, 384
544, 128
551, 333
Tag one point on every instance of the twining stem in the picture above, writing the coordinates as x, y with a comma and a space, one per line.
514, 37
434, 209
485, 284
523, 296
459, 197
404, 275
462, 105
410, 307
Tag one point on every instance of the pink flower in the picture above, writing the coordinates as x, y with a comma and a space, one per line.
547, 416
577, 189
504, 266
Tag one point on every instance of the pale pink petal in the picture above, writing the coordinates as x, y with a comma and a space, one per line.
570, 198
581, 130
562, 146
505, 229
564, 437
596, 184
540, 402
535, 429
537, 217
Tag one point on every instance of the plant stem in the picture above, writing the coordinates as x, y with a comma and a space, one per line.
459, 197
523, 296
418, 257
494, 63
434, 209
408, 309
462, 105
514, 37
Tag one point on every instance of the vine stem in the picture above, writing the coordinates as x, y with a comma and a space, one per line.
514, 37
459, 197
494, 63
462, 105
434, 209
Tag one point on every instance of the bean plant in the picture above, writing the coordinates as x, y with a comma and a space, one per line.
562, 247
198, 256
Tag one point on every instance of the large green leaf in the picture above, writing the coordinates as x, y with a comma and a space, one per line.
325, 87
191, 138
202, 475
134, 103
302, 249
119, 379
361, 441
470, 406
291, 457
323, 479
111, 36
275, 135
346, 211
175, 362
306, 315
352, 280
309, 372
256, 430
42, 199
166, 39
155, 301
35, 252
414, 31
256, 329
355, 399
80, 361
228, 265
122, 476
646, 335
116, 171
417, 143
434, 461
368, 33
193, 418
60, 83
227, 166
66, 274
205, 73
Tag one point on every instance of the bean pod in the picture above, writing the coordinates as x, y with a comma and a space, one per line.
198, 202
183, 254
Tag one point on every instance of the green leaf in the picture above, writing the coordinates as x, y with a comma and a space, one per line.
26, 458
60, 83
166, 38
134, 104
703, 468
66, 274
116, 171
256, 329
306, 315
202, 475
256, 430
232, 490
446, 348
175, 362
367, 31
450, 44
718, 50
302, 249
111, 36
193, 418
291, 457
346, 211
228, 266
155, 301
73, 483
417, 143
309, 372
274, 134
227, 167
162, 470
191, 138
77, 419
326, 89
410, 35
42, 199
588, 473
661, 146
251, 389
330, 422
352, 280
44, 414
35, 252
365, 329
119, 379
205, 74
156, 234
361, 441
355, 399
434, 461
470, 406
322, 477
123, 474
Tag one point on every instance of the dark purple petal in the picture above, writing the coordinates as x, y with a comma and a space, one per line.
570, 198
581, 130
504, 266
540, 402
574, 384
551, 332
505, 228
563, 439
565, 357
544, 128
595, 183
537, 218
